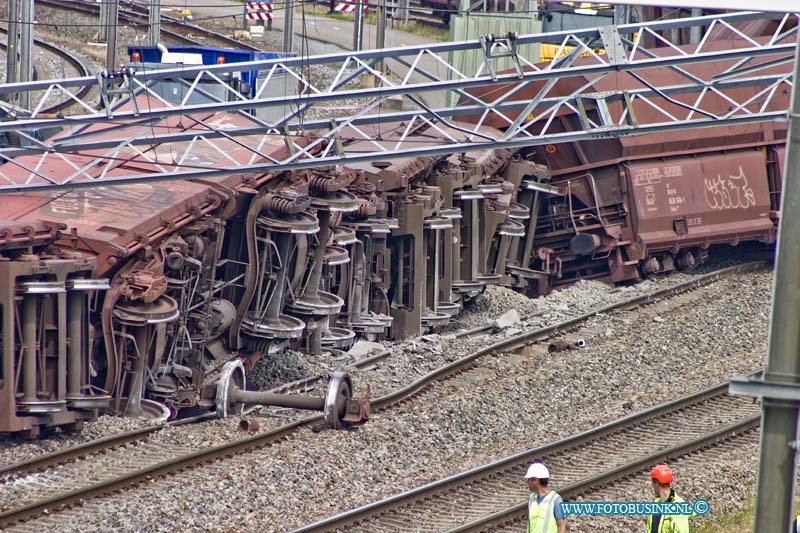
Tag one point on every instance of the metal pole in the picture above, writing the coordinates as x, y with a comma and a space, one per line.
358, 26
403, 4
154, 21
622, 14
74, 324
102, 35
695, 31
776, 467
293, 401
111, 38
29, 343
26, 49
380, 34
244, 15
13, 41
288, 29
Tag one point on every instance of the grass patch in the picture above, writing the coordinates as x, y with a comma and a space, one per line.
731, 523
737, 522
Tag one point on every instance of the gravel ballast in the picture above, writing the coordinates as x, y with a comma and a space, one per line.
632, 360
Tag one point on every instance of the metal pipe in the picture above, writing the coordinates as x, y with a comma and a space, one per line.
370, 267
446, 283
436, 275
357, 281
776, 467
275, 303
272, 399
61, 300
312, 286
29, 342
502, 253
476, 239
530, 234
75, 304
455, 250
134, 406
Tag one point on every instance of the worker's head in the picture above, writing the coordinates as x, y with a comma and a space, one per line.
537, 476
661, 476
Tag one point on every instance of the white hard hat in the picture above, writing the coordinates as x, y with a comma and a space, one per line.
537, 470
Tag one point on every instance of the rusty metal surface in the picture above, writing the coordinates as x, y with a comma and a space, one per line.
565, 158
691, 201
205, 272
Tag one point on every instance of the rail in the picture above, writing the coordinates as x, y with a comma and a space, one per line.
136, 17
52, 504
446, 493
76, 63
517, 514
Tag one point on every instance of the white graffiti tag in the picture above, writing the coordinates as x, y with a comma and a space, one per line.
732, 192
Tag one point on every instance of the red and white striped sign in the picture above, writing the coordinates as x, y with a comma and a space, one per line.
259, 10
348, 7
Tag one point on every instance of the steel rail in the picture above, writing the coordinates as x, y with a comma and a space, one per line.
66, 455
518, 513
53, 504
93, 9
140, 12
521, 459
92, 447
76, 63
303, 384
103, 444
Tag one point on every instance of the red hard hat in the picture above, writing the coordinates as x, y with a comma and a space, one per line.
661, 473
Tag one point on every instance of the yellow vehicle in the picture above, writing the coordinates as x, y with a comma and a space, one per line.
547, 52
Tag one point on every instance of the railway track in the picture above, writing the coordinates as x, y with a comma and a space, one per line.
494, 495
64, 489
182, 32
80, 68
104, 445
710, 446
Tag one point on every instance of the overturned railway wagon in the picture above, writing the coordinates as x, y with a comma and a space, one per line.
129, 298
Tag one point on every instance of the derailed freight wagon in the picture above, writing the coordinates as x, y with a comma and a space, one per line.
615, 209
156, 297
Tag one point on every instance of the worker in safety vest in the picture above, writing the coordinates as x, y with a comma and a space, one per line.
661, 477
544, 505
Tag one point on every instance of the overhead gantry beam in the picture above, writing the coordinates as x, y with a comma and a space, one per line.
525, 104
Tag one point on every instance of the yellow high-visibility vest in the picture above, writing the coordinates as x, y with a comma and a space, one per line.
670, 523
540, 515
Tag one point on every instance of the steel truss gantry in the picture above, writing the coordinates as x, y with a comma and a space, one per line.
416, 73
